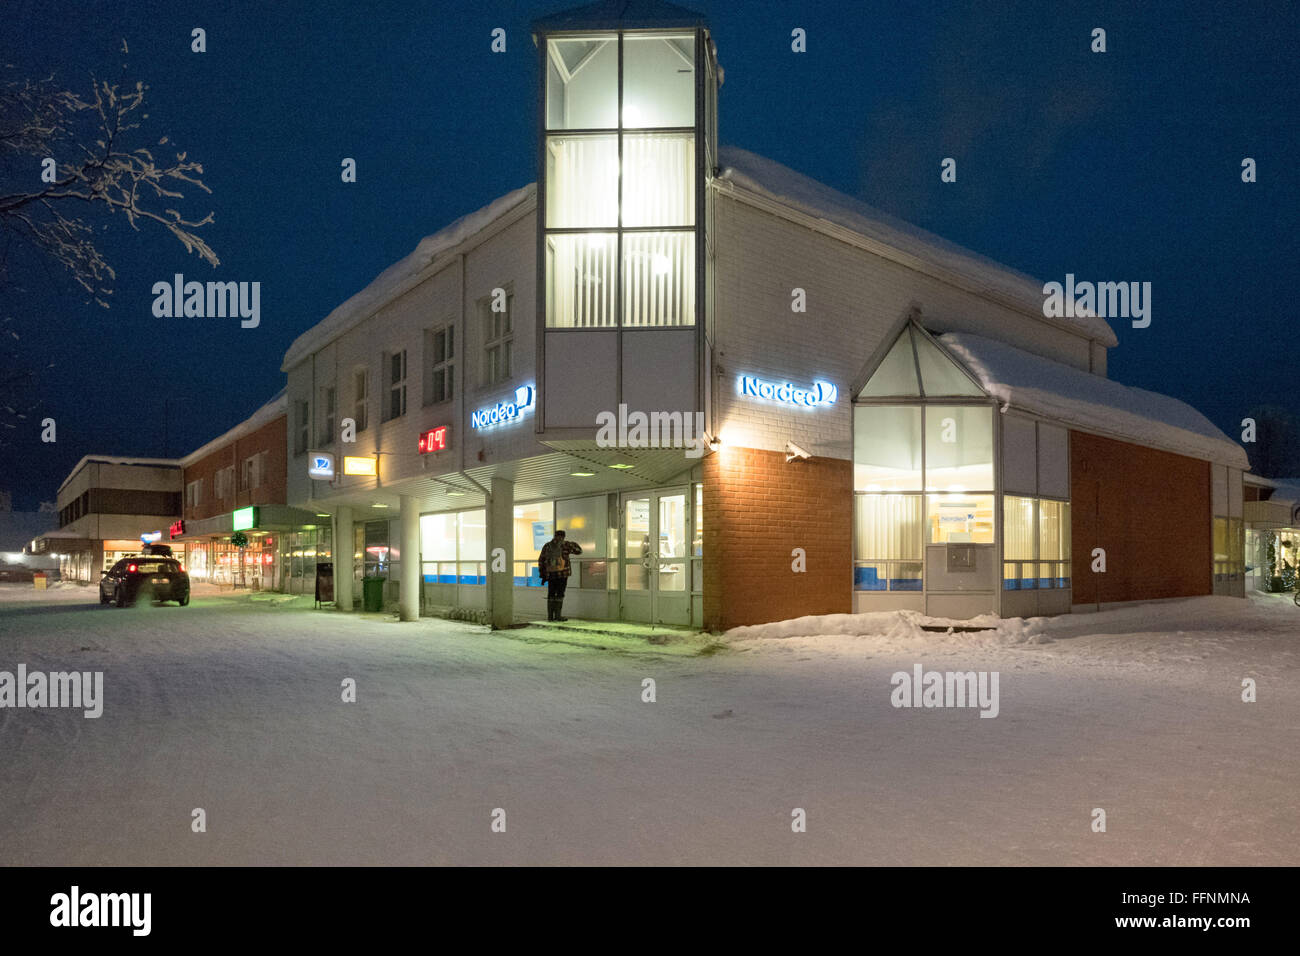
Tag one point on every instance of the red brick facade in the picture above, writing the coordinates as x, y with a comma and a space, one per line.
1149, 510
270, 438
757, 510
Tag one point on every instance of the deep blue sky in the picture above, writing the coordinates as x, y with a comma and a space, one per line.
1122, 166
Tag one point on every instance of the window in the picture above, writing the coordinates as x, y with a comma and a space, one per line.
441, 351
607, 173
887, 542
395, 406
498, 341
249, 474
534, 525
1229, 556
194, 493
887, 448
959, 518
302, 414
329, 406
361, 398
1036, 543
958, 448
223, 482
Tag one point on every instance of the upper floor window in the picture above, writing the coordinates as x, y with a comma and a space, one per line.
302, 426
223, 482
329, 411
498, 340
361, 398
395, 404
440, 381
194, 493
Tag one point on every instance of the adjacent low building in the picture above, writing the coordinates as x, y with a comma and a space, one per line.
747, 396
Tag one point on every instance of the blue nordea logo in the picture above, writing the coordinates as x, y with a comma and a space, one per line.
504, 411
821, 393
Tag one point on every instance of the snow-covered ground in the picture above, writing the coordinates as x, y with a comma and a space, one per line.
233, 705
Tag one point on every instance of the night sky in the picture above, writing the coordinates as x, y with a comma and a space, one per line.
1120, 166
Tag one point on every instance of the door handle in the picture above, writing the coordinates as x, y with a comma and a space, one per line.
646, 559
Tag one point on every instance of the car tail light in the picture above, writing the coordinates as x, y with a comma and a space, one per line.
131, 569
182, 569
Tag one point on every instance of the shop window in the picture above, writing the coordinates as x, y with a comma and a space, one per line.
1036, 543
302, 416
887, 448
1229, 556
395, 404
534, 525
887, 542
498, 340
959, 518
361, 398
471, 547
440, 381
958, 448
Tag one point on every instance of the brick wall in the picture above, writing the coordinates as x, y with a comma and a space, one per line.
757, 509
270, 438
1150, 510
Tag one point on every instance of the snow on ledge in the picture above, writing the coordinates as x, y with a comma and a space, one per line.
889, 625
1092, 402
779, 183
393, 280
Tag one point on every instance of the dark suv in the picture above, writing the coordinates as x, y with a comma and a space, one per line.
161, 578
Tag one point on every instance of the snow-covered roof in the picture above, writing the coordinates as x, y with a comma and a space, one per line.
120, 460
1091, 402
400, 276
782, 184
268, 412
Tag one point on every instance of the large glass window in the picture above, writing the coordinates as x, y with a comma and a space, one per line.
586, 522
1036, 543
887, 448
887, 543
958, 517
958, 448
534, 525
639, 175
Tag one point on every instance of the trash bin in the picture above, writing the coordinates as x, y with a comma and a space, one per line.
372, 594
39, 580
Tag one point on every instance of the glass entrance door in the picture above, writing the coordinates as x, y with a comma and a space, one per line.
656, 560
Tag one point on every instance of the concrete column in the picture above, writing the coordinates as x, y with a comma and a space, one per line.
408, 598
343, 558
501, 552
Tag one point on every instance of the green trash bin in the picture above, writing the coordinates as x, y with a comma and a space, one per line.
372, 594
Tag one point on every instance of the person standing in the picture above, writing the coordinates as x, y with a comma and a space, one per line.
554, 567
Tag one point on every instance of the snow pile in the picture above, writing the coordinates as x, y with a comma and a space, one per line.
395, 280
774, 181
892, 627
1069, 395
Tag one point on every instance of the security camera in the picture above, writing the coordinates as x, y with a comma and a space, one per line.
793, 451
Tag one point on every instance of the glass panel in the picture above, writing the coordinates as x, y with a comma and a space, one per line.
580, 281
955, 518
939, 376
582, 83
871, 576
1018, 528
888, 526
593, 574
658, 180
1054, 530
636, 540
438, 537
581, 181
672, 542
697, 575
697, 544
658, 81
887, 448
583, 522
1235, 544
534, 525
895, 376
958, 448
471, 534
659, 279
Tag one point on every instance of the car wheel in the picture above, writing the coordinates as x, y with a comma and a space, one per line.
103, 598
119, 596
184, 599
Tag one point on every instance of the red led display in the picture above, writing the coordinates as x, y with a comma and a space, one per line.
435, 439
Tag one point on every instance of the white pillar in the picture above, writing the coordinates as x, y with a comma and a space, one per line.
408, 597
343, 558
501, 552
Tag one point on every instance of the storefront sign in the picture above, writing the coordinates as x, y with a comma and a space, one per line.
819, 393
244, 518
504, 411
176, 530
150, 536
435, 439
360, 466
320, 464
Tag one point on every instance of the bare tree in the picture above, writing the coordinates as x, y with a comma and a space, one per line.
97, 167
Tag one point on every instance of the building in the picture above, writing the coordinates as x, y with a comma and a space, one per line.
1272, 543
236, 482
747, 396
107, 507
18, 530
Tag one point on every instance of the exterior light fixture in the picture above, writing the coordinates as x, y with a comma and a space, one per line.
379, 504
622, 465
455, 494
583, 474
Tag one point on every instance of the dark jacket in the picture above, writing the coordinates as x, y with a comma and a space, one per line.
553, 559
